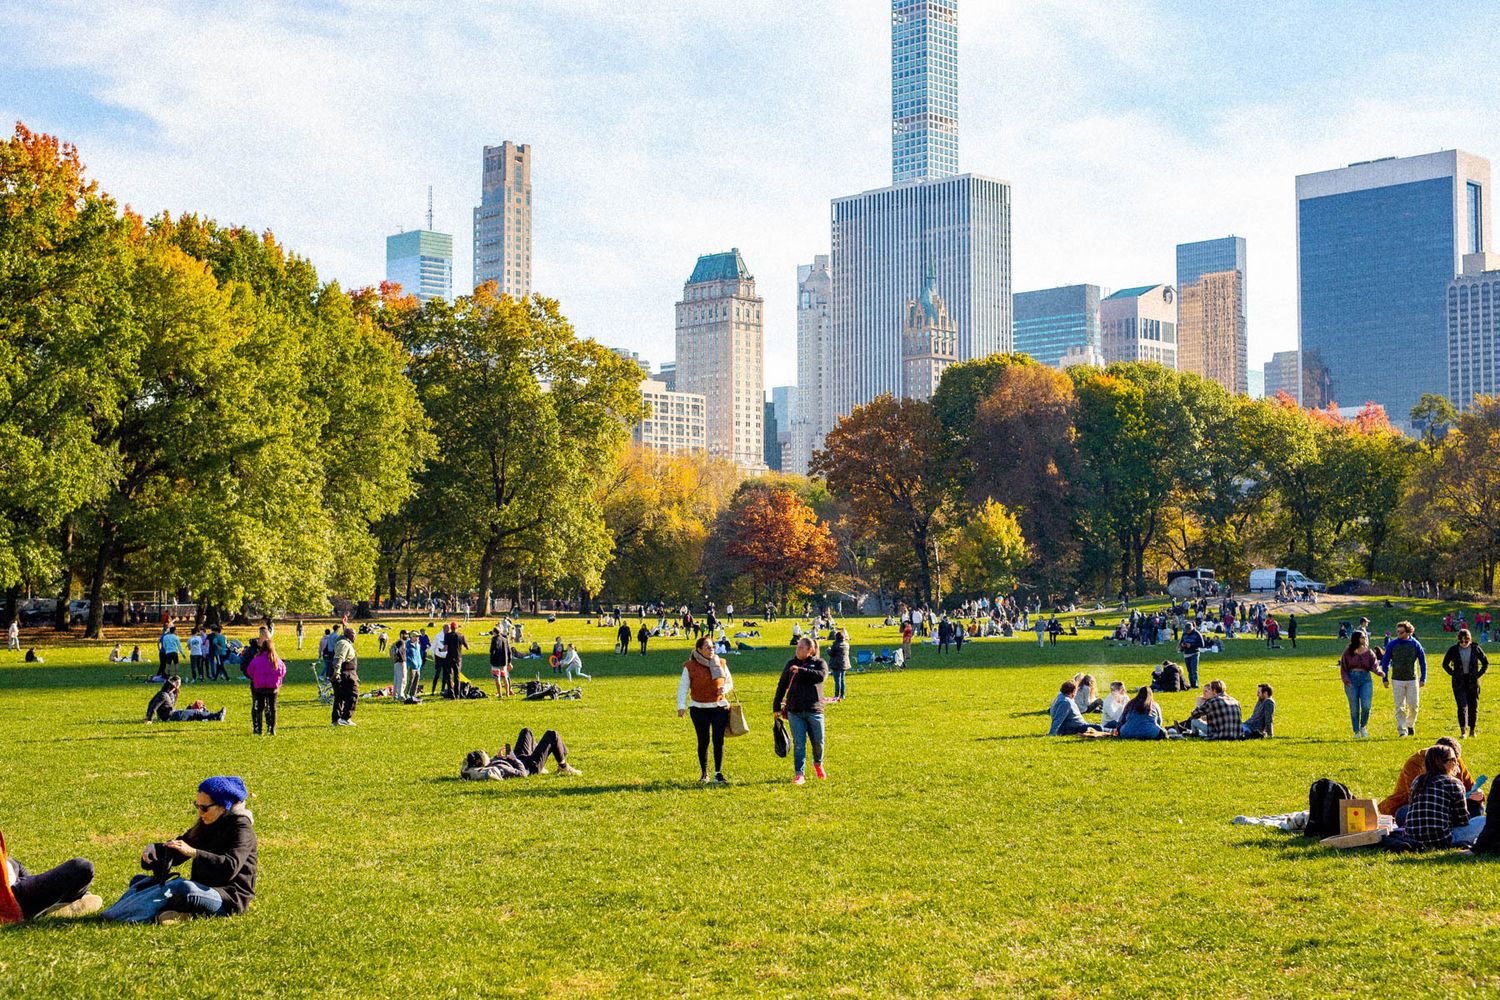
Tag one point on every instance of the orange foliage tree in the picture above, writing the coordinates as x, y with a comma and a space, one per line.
771, 535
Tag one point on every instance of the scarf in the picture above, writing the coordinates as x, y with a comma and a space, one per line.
715, 671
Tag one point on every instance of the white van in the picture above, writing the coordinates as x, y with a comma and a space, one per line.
1262, 580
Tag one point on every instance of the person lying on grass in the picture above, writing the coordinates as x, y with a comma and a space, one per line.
1395, 803
163, 706
1066, 720
527, 758
1438, 814
221, 846
60, 892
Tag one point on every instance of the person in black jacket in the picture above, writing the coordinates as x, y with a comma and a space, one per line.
163, 706
838, 660
500, 660
643, 635
622, 638
799, 700
1465, 662
222, 849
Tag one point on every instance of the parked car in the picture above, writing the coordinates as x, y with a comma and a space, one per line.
38, 611
1183, 583
1262, 580
1354, 585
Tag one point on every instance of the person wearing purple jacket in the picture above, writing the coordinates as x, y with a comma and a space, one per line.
266, 672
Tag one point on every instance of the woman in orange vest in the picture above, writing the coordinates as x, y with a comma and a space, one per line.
705, 678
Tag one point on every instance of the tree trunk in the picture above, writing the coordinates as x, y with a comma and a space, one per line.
486, 577
95, 629
12, 605
63, 617
924, 566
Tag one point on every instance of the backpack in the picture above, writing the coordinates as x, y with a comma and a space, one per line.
1323, 800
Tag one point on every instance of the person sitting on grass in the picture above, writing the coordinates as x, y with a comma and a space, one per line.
32, 656
163, 706
527, 758
222, 849
1168, 677
1262, 724
1438, 814
1083, 695
1217, 716
1141, 718
1114, 706
59, 892
115, 656
1395, 803
1066, 720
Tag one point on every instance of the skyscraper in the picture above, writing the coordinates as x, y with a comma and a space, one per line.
502, 222
1377, 244
770, 439
1140, 324
785, 402
814, 364
1474, 330
720, 345
924, 89
929, 341
1052, 321
675, 421
1282, 374
884, 241
1211, 326
421, 262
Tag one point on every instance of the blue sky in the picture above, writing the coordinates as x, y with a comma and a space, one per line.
662, 130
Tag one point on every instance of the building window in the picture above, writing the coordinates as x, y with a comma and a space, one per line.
1476, 217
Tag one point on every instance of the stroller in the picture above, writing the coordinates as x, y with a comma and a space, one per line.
325, 686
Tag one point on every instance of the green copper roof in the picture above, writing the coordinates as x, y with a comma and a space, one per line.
720, 267
1133, 293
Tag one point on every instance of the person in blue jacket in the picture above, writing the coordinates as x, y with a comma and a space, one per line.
1405, 665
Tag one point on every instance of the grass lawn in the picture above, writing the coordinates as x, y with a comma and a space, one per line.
953, 851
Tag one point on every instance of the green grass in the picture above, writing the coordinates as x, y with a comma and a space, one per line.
952, 852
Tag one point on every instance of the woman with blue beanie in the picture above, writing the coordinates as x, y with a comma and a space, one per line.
221, 847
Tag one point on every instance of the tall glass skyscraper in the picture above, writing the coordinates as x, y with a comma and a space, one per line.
924, 89
421, 262
1212, 338
1052, 321
1377, 244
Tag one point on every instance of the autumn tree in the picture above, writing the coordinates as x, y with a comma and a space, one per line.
1463, 488
772, 536
885, 459
988, 551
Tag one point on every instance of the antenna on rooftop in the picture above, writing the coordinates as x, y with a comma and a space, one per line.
429, 208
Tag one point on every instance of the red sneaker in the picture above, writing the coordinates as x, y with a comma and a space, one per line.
818, 770
797, 779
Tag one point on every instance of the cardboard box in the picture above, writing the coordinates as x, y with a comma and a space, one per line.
1358, 816
1365, 838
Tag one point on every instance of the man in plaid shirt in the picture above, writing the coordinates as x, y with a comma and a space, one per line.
1217, 717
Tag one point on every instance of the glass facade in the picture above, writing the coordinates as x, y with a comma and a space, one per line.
1474, 204
924, 89
1050, 322
1373, 270
421, 262
883, 243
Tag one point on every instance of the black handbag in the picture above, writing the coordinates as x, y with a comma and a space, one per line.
780, 737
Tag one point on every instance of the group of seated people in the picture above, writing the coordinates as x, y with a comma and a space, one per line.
1436, 802
220, 845
1216, 716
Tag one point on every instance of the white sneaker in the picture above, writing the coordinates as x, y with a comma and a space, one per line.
1364, 734
81, 907
569, 769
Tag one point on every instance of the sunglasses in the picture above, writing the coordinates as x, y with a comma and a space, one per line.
203, 809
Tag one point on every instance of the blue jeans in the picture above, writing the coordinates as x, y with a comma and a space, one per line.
146, 898
1360, 691
838, 683
1464, 836
805, 726
1191, 662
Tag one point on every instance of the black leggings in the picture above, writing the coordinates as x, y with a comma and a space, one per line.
1466, 693
38, 893
710, 721
534, 754
263, 703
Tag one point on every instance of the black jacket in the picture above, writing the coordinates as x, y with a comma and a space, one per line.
500, 652
838, 652
162, 704
226, 859
805, 693
1478, 662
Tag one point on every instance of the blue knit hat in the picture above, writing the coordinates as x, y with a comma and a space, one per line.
225, 791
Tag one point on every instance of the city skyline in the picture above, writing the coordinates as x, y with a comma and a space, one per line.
1064, 103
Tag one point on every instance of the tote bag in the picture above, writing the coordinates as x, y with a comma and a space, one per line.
738, 724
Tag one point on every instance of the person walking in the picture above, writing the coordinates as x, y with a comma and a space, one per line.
702, 693
266, 672
345, 677
1404, 657
1291, 629
1355, 667
500, 659
799, 700
1041, 630
299, 635
906, 634
838, 660
622, 639
1465, 662
570, 662
13, 635
643, 635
